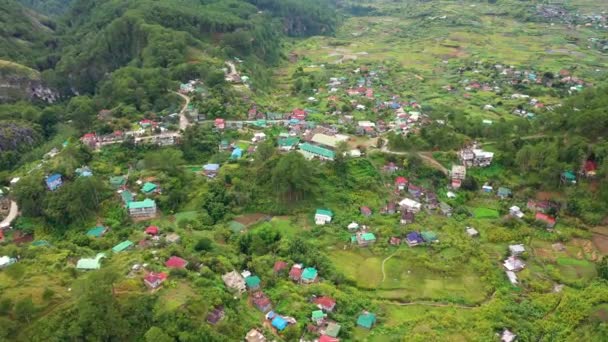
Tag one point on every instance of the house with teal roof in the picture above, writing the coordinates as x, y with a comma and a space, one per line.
318, 317
237, 153
122, 246
363, 239
97, 231
117, 181
429, 237
309, 275
148, 188
127, 197
366, 320
253, 282
90, 263
145, 208
568, 177
323, 216
288, 143
313, 151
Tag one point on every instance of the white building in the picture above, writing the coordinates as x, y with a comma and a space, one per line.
515, 211
410, 205
517, 249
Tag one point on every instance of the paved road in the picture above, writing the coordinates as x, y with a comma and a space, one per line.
12, 215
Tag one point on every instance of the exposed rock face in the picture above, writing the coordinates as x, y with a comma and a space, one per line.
17, 86
16, 137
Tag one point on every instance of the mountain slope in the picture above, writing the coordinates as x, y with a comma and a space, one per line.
25, 36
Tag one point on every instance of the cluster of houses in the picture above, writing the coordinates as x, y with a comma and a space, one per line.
327, 329
147, 130
144, 209
152, 280
513, 263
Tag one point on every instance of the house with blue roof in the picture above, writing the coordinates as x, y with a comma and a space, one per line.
237, 153
414, 239
54, 181
279, 323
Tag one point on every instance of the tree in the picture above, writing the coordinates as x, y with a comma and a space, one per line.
292, 177
602, 268
82, 111
156, 334
198, 143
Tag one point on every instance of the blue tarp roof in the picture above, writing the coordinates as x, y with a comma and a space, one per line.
53, 177
279, 323
237, 153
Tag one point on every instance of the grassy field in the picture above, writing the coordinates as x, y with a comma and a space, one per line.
485, 213
360, 266
406, 280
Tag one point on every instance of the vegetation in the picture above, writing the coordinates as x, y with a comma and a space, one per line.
147, 98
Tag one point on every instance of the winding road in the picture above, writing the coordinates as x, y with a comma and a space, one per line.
184, 122
425, 156
12, 215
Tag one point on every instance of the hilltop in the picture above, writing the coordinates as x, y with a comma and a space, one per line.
307, 170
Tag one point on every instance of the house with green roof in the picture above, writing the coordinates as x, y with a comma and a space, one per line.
122, 246
309, 275
429, 237
363, 239
332, 329
148, 188
117, 181
313, 151
145, 208
253, 282
318, 317
323, 216
127, 197
288, 143
97, 231
568, 177
366, 320
90, 263
236, 226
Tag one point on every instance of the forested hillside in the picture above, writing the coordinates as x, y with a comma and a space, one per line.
48, 7
25, 35
303, 170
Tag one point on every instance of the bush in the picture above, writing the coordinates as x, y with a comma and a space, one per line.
48, 294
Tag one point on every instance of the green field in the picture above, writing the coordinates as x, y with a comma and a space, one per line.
485, 213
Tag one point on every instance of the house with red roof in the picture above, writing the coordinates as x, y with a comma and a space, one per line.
152, 230
154, 280
146, 123
548, 220
89, 139
325, 303
295, 273
325, 338
590, 168
352, 92
299, 114
279, 266
366, 211
401, 183
176, 262
261, 301
219, 123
